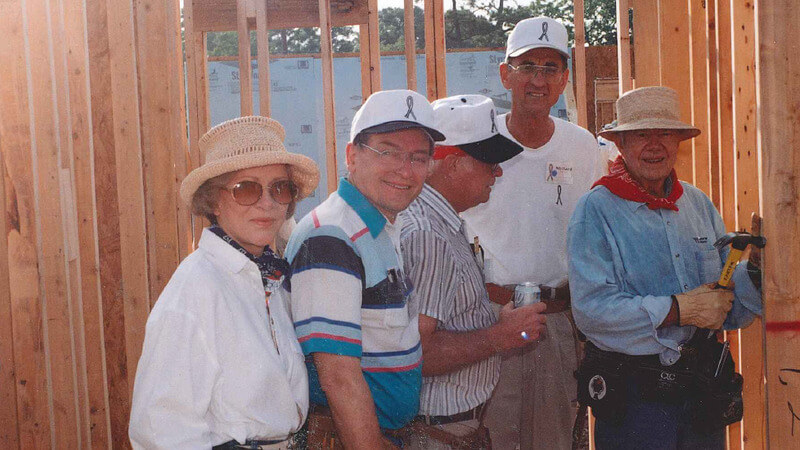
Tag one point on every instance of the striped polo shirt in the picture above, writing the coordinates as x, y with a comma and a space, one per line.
449, 287
349, 296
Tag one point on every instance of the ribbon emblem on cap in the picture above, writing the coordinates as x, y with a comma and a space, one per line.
494, 124
410, 104
558, 200
544, 32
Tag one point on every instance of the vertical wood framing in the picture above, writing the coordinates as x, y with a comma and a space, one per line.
158, 82
674, 29
366, 62
246, 85
430, 52
410, 44
9, 212
89, 311
374, 45
751, 353
28, 369
130, 198
435, 49
9, 432
779, 129
713, 93
328, 93
47, 146
623, 47
698, 97
580, 64
106, 187
439, 48
647, 59
725, 113
262, 53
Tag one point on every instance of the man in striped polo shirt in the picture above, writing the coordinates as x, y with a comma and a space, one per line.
461, 336
349, 292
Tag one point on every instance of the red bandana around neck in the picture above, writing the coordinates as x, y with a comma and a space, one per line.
620, 183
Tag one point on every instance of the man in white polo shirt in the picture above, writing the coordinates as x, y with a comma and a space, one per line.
522, 229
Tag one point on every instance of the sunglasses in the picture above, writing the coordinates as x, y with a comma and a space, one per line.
248, 193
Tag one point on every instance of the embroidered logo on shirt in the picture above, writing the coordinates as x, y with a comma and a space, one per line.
701, 240
559, 173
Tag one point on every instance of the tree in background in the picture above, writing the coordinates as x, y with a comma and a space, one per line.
476, 24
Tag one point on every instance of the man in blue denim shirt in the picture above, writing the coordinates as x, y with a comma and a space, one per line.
643, 266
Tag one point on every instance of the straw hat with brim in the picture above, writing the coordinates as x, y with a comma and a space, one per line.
650, 108
246, 142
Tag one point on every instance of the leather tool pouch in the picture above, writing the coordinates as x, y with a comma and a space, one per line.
718, 398
663, 384
602, 385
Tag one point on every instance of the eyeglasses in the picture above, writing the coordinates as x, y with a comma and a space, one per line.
248, 193
548, 73
419, 160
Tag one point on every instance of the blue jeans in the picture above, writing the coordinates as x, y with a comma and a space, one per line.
654, 425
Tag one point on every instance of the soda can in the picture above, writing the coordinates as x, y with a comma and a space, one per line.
526, 293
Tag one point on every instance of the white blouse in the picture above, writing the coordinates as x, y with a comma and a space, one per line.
210, 371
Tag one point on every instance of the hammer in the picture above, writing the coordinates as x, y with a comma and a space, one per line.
739, 242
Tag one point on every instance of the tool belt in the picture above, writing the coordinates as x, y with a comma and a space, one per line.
702, 378
424, 427
322, 431
255, 444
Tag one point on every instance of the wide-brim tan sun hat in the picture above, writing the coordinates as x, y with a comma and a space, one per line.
650, 108
246, 142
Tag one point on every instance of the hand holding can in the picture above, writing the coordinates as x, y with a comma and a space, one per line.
526, 293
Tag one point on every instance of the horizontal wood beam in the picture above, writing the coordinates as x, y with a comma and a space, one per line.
220, 15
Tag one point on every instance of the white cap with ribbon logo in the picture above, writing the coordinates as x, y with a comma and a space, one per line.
537, 32
393, 110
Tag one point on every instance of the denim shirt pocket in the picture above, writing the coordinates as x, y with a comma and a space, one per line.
709, 265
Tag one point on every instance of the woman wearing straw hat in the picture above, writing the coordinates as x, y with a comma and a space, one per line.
221, 366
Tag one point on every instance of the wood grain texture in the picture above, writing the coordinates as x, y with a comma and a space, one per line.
47, 104
624, 46
647, 48
262, 44
753, 427
674, 32
725, 114
410, 44
220, 15
130, 192
88, 311
778, 70
580, 64
108, 220
26, 326
328, 95
713, 110
245, 83
698, 88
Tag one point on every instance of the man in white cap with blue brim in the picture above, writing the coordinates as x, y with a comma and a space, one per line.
522, 229
349, 291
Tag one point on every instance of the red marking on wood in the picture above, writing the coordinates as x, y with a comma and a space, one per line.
783, 326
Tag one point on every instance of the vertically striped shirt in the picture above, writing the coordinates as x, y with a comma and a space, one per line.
349, 296
449, 287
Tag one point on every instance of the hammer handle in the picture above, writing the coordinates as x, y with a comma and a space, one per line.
730, 265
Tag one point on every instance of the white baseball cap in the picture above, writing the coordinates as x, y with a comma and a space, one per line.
469, 121
537, 32
393, 110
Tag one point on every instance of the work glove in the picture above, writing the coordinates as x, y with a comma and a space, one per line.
704, 306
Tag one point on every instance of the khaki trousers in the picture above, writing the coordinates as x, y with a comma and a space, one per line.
535, 402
